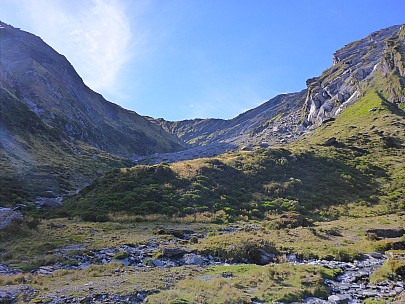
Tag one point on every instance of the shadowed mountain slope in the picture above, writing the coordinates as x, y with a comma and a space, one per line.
55, 133
48, 84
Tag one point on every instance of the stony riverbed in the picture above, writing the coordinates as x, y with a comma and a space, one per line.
352, 286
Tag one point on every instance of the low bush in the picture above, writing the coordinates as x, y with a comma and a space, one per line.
237, 247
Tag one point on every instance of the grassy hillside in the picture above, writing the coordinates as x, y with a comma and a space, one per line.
362, 165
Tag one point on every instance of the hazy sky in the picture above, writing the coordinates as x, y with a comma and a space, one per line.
181, 59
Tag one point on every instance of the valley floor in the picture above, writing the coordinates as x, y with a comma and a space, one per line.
71, 261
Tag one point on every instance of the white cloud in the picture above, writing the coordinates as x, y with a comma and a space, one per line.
94, 35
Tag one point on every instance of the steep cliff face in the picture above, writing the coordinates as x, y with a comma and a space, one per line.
354, 67
48, 84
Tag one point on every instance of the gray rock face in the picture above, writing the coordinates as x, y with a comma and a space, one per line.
275, 120
8, 216
286, 117
342, 84
15, 294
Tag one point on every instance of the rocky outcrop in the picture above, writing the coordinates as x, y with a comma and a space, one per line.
356, 68
8, 216
16, 294
344, 82
353, 285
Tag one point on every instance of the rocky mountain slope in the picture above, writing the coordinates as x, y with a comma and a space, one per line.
322, 215
272, 122
48, 84
352, 149
52, 124
55, 132
354, 70
36, 160
286, 117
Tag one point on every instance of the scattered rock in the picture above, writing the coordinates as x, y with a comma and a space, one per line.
265, 257
53, 225
46, 270
15, 294
157, 263
376, 255
6, 270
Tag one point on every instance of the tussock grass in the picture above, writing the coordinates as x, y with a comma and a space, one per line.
241, 283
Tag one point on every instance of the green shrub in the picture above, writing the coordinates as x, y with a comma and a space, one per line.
122, 255
240, 246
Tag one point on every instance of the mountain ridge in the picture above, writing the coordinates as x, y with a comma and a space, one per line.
49, 85
76, 119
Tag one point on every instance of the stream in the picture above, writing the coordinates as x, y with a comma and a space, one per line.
352, 286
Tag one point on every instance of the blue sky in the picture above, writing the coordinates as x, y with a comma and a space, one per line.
182, 59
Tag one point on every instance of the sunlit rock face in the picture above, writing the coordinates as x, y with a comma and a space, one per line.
345, 81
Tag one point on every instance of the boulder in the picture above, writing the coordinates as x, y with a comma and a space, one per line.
5, 270
192, 259
172, 252
339, 299
376, 255
156, 263
8, 216
385, 233
48, 202
265, 257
